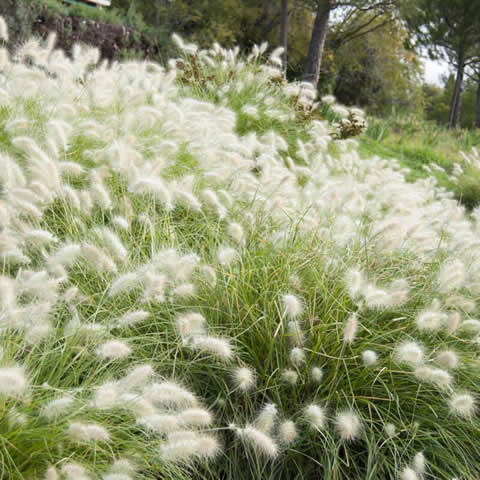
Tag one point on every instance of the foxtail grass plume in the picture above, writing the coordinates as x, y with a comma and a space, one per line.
411, 353
316, 416
113, 350
351, 329
462, 404
185, 446
292, 306
290, 376
408, 473
218, 347
262, 443
348, 425
317, 374
226, 256
265, 420
13, 381
88, 432
451, 276
418, 463
3, 30
447, 359
287, 432
244, 379
369, 357
390, 429
297, 356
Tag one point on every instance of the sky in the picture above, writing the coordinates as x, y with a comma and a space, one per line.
434, 69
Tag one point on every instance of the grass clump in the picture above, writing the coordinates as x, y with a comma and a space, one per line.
428, 150
185, 295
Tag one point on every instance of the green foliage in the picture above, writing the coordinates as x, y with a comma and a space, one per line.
106, 15
377, 72
418, 144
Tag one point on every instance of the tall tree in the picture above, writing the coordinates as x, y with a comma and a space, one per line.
449, 29
284, 34
324, 11
377, 71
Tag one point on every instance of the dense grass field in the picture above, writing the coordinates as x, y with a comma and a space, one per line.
200, 280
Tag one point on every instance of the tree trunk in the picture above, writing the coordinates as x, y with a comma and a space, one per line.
317, 42
455, 103
265, 13
478, 103
284, 35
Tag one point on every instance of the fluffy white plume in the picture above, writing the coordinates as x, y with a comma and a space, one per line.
462, 404
185, 446
350, 330
244, 378
348, 425
13, 381
316, 416
369, 358
411, 353
287, 432
292, 306
88, 432
113, 350
219, 347
258, 440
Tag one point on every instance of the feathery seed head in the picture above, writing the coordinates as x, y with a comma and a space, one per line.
52, 474
462, 404
195, 417
316, 416
295, 332
411, 353
131, 318
226, 256
3, 30
408, 474
169, 394
292, 306
297, 356
447, 359
418, 463
244, 378
13, 381
236, 232
88, 432
73, 471
113, 350
185, 446
348, 425
287, 432
266, 418
317, 374
453, 322
258, 440
219, 347
369, 358
431, 320
351, 329
189, 324
160, 423
290, 376
451, 276
57, 407
390, 429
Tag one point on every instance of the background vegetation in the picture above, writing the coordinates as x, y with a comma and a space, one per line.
369, 58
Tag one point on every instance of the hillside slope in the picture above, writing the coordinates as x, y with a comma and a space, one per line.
198, 282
